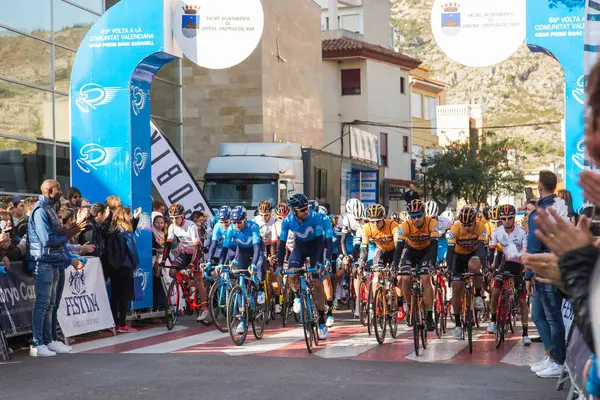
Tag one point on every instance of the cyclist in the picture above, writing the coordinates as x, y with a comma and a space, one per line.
190, 250
337, 259
420, 234
307, 227
350, 224
466, 252
223, 216
266, 224
513, 239
244, 239
444, 224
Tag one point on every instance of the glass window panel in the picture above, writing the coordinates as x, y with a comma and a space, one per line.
33, 17
171, 72
165, 100
94, 5
172, 132
61, 118
24, 165
63, 166
71, 24
25, 59
63, 63
25, 111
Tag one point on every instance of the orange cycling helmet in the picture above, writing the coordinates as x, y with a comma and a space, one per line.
375, 212
176, 210
265, 207
415, 207
507, 210
282, 210
468, 215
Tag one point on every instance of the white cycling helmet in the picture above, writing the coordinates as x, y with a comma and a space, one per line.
355, 208
322, 210
448, 214
431, 209
404, 216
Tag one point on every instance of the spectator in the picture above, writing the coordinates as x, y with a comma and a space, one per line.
95, 231
21, 227
18, 211
158, 244
6, 226
73, 195
411, 194
546, 303
46, 254
122, 258
83, 203
3, 206
159, 206
566, 196
204, 229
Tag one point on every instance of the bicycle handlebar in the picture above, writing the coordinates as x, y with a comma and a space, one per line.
297, 271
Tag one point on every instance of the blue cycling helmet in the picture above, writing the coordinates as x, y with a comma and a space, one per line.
297, 201
224, 212
313, 205
238, 214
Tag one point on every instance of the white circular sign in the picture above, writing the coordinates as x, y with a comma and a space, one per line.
478, 33
218, 34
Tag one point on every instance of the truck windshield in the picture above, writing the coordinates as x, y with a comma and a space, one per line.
247, 193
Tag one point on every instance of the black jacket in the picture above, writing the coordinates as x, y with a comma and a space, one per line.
576, 268
94, 233
411, 195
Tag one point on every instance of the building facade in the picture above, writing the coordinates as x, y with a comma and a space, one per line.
460, 123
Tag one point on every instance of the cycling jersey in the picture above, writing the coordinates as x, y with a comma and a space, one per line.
250, 247
216, 244
304, 231
512, 243
384, 238
245, 239
186, 234
267, 229
419, 238
350, 229
464, 241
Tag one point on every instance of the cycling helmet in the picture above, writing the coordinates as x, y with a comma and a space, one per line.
404, 216
431, 209
375, 212
415, 206
282, 210
176, 210
313, 205
224, 213
448, 214
238, 214
396, 217
494, 213
265, 207
355, 208
468, 215
322, 210
297, 201
507, 210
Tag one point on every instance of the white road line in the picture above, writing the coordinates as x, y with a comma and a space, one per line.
179, 344
123, 338
275, 342
522, 356
443, 349
351, 347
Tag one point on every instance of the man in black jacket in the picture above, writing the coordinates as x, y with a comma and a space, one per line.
411, 194
95, 231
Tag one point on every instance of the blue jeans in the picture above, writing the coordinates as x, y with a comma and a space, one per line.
45, 280
59, 290
547, 317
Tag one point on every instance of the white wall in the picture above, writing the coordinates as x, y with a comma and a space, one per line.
332, 118
453, 123
376, 22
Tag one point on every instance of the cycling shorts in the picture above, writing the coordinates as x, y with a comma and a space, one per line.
302, 250
460, 264
244, 259
383, 258
413, 258
515, 269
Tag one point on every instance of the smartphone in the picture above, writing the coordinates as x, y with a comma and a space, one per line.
593, 213
528, 194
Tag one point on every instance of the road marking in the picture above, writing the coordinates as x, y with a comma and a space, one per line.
123, 338
179, 344
271, 343
523, 356
351, 347
443, 349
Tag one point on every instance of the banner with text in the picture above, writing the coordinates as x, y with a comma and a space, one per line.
84, 306
364, 145
17, 299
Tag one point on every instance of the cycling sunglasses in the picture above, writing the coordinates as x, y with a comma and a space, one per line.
375, 221
506, 218
238, 222
303, 209
416, 216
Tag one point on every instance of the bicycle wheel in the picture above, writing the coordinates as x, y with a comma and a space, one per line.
206, 321
513, 316
469, 319
306, 322
217, 305
370, 309
393, 313
363, 309
444, 312
236, 315
172, 311
315, 319
500, 322
379, 314
286, 307
422, 327
437, 312
414, 316
259, 316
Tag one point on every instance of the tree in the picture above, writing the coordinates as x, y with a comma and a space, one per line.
474, 172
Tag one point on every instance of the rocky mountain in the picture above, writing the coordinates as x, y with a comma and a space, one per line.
527, 88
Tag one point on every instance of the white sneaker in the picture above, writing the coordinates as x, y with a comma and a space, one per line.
458, 333
323, 332
538, 363
329, 321
553, 371
203, 315
260, 297
41, 351
525, 341
59, 347
542, 366
296, 306
277, 308
479, 304
335, 304
492, 328
241, 329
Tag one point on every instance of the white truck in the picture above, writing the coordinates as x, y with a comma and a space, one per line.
248, 173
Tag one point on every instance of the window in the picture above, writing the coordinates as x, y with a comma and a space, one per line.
402, 85
430, 106
25, 165
405, 144
34, 18
71, 23
350, 22
33, 65
25, 111
320, 183
351, 81
416, 103
383, 145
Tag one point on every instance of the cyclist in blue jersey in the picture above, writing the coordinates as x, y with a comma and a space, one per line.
307, 227
218, 234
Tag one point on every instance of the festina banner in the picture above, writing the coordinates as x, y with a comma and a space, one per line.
84, 306
172, 178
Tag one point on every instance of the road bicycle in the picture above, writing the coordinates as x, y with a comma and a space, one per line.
183, 285
506, 310
385, 304
417, 311
469, 315
218, 297
441, 304
309, 316
288, 297
245, 306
